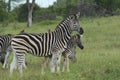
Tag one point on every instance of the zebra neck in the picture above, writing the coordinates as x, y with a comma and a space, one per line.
63, 34
71, 44
63, 31
64, 27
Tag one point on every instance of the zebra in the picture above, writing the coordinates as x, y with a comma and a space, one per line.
69, 52
44, 44
5, 48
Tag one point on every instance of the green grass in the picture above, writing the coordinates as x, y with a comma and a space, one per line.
100, 59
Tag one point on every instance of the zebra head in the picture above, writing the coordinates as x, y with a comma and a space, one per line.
78, 41
75, 41
74, 22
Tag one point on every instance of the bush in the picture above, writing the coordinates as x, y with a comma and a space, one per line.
39, 14
43, 15
22, 12
117, 11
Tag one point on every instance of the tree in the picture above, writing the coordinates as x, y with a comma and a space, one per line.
3, 12
6, 14
30, 10
23, 17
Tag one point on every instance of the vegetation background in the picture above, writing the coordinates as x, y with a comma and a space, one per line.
100, 59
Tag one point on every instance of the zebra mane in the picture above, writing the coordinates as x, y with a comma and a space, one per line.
67, 19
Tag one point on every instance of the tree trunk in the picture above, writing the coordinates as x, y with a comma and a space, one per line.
29, 24
9, 6
30, 10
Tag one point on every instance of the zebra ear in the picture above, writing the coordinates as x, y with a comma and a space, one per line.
78, 15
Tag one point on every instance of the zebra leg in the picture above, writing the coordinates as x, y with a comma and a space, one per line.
6, 59
52, 64
67, 64
24, 63
64, 64
20, 67
55, 61
58, 62
44, 63
13, 64
21, 62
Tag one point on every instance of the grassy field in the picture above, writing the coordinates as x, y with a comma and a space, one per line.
100, 59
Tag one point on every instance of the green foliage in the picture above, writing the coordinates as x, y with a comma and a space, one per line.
64, 7
44, 14
59, 8
108, 4
22, 12
3, 11
91, 7
6, 15
117, 11
39, 14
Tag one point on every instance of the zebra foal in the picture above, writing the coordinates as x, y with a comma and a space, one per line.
69, 52
44, 44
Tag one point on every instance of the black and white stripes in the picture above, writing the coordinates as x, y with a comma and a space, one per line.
36, 44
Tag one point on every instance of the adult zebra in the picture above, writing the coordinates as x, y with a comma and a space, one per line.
44, 44
5, 48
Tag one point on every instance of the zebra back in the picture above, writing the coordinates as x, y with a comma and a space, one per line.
36, 44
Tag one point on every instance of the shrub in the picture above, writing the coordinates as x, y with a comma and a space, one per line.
117, 11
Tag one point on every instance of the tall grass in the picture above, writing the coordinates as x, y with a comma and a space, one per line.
100, 59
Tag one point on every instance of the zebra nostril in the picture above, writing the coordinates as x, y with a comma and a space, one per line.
82, 47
